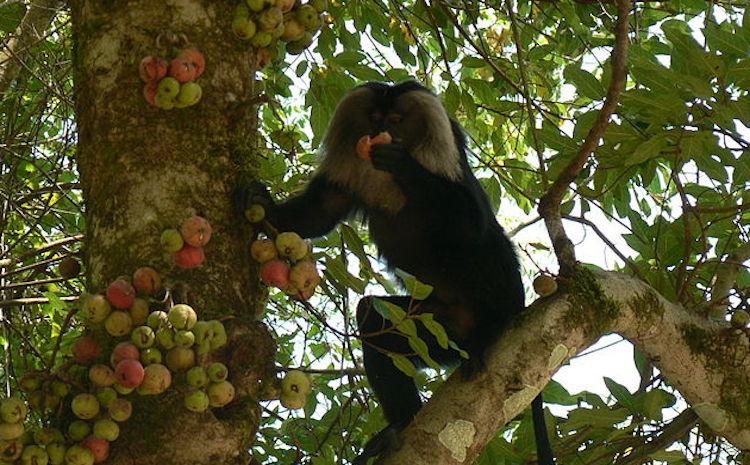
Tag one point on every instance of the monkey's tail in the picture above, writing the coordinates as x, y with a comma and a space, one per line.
543, 446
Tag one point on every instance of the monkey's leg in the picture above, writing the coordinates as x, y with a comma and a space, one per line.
311, 214
396, 392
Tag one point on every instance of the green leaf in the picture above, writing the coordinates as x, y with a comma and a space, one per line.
416, 289
585, 82
434, 327
726, 42
648, 149
403, 364
335, 269
11, 14
420, 347
389, 310
620, 393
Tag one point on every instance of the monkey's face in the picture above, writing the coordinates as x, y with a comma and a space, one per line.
411, 114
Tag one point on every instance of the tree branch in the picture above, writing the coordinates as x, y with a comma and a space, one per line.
707, 362
36, 20
549, 204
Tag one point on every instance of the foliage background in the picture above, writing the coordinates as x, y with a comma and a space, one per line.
666, 193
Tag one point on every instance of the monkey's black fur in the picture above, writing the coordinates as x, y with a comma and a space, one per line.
429, 216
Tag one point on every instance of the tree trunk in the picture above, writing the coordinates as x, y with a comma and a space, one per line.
145, 169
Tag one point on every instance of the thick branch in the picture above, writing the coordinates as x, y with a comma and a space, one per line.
706, 362
549, 204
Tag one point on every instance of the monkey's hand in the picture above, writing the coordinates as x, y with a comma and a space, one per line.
392, 158
251, 193
383, 442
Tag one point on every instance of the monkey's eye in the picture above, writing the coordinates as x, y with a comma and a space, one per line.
395, 118
377, 117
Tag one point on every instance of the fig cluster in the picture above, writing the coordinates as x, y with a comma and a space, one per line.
295, 387
208, 387
171, 83
286, 263
266, 23
186, 244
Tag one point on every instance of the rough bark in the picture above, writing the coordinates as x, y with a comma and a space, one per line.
707, 362
144, 170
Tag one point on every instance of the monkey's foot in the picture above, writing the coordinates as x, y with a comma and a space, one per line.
384, 442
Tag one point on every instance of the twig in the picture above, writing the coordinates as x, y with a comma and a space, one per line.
33, 300
549, 204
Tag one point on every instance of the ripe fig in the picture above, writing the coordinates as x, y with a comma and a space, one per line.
34, 455
13, 410
32, 381
261, 39
152, 69
106, 429
101, 375
304, 276
171, 240
157, 319
182, 316
255, 213
217, 372
56, 453
85, 406
60, 388
150, 355
196, 58
189, 257
78, 430
190, 94
220, 334
263, 250
69, 267
121, 293
220, 394
157, 379
196, 401
180, 358
197, 377
120, 409
184, 338
129, 373
196, 231
545, 285
165, 338
168, 87
182, 69
295, 382
98, 448
95, 308
143, 337
9, 431
291, 245
149, 92
244, 28
275, 273
146, 280
106, 395
255, 5
10, 450
270, 18
122, 351
122, 390
139, 312
293, 30
118, 323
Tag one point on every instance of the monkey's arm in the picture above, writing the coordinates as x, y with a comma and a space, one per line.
311, 214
